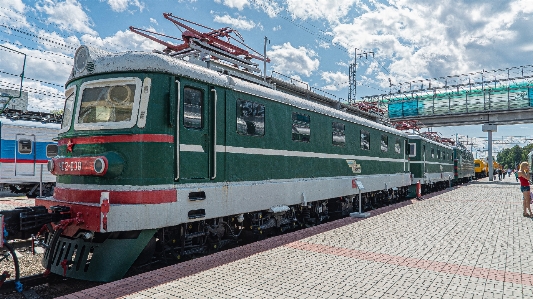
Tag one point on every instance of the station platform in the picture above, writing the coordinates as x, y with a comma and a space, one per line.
469, 241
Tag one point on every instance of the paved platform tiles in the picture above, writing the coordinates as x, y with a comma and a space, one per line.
469, 242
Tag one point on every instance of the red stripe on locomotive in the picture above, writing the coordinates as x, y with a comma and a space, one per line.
119, 138
116, 197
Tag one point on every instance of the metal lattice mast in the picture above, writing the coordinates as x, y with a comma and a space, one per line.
352, 92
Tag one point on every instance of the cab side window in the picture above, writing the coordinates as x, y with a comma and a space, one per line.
193, 101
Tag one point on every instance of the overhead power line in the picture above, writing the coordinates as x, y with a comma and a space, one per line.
41, 81
3, 49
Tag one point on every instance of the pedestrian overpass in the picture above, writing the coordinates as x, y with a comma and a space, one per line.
504, 105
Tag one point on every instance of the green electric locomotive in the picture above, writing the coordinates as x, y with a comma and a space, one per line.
177, 157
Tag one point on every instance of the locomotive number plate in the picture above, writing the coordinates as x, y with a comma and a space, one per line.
70, 166
80, 166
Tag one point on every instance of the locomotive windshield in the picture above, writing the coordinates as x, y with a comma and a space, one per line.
108, 103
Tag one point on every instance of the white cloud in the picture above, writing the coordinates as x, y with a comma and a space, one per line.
331, 10
438, 38
238, 4
238, 23
276, 28
154, 21
122, 41
122, 5
336, 80
12, 13
271, 8
323, 44
289, 60
52, 41
67, 15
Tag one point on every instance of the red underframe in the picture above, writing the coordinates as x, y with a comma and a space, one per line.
90, 215
116, 197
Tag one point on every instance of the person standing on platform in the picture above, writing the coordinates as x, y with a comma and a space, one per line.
499, 174
523, 176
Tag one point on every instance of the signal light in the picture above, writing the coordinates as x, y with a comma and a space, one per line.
99, 165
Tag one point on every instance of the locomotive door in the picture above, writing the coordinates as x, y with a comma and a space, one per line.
25, 155
194, 134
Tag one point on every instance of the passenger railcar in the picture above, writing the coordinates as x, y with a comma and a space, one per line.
25, 147
463, 164
155, 149
431, 163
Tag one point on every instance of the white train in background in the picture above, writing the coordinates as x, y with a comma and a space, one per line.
26, 144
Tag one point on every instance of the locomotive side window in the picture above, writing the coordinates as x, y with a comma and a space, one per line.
250, 118
398, 146
365, 140
301, 127
438, 154
25, 146
384, 143
432, 153
339, 136
412, 149
51, 150
193, 102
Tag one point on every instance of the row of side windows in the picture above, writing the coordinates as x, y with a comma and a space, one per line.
440, 155
251, 122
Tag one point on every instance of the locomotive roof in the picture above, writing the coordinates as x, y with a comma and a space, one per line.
414, 136
29, 123
105, 62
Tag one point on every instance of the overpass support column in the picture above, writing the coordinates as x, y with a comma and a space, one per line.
489, 129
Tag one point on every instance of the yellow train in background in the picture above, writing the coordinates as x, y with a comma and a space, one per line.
481, 168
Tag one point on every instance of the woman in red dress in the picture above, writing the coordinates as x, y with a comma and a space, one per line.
523, 177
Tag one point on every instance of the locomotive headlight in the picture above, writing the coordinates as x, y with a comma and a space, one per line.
50, 165
120, 94
99, 165
81, 58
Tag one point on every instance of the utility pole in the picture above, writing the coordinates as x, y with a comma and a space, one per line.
352, 74
489, 129
265, 60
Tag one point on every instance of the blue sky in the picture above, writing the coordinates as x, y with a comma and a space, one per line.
310, 40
